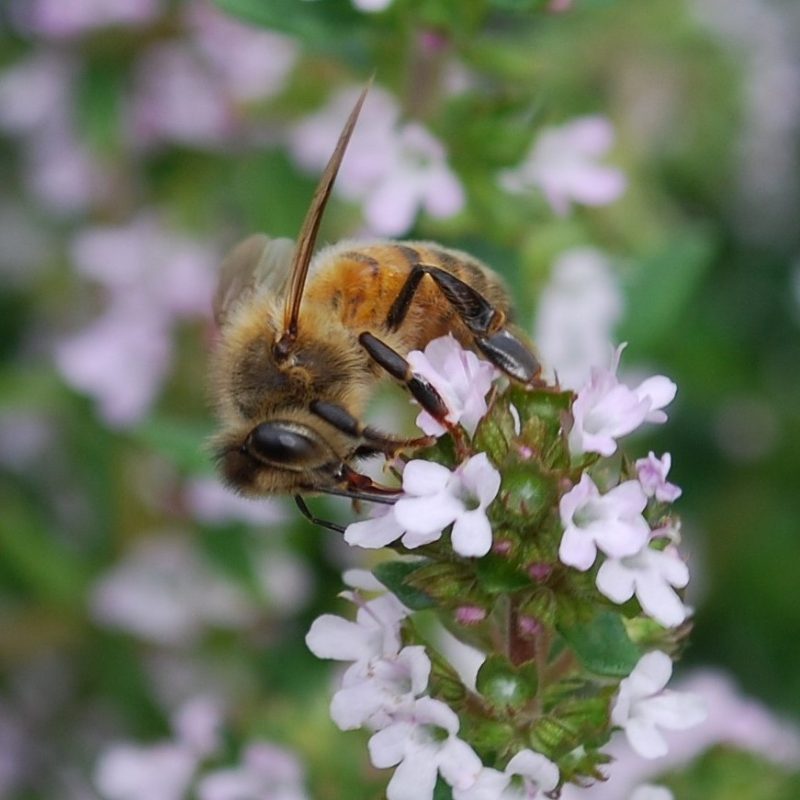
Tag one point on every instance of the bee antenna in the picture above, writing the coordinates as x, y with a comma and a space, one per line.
308, 232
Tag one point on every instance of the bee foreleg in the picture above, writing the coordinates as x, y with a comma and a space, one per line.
422, 391
483, 320
323, 523
374, 440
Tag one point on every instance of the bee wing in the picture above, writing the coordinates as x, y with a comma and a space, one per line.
259, 263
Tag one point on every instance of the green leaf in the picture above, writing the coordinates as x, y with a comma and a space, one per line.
442, 791
527, 492
519, 5
663, 284
497, 575
504, 685
602, 645
181, 442
34, 554
394, 576
495, 433
319, 22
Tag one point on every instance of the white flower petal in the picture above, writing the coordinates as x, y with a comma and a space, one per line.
538, 768
424, 478
472, 534
459, 764
645, 738
414, 779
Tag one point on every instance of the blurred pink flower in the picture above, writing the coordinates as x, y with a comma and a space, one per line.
144, 259
267, 772
120, 359
166, 769
164, 592
578, 311
35, 91
161, 771
58, 19
563, 164
35, 105
371, 6
252, 63
394, 169
209, 501
176, 98
153, 277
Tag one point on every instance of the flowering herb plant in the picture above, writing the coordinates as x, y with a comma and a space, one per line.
525, 533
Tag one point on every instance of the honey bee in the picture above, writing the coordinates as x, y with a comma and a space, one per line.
304, 339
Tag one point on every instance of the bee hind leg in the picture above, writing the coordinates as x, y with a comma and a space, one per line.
484, 321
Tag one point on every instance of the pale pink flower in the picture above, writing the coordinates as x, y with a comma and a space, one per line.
605, 409
733, 720
434, 497
57, 19
120, 359
252, 63
266, 772
62, 173
311, 141
563, 163
375, 634
162, 591
653, 575
36, 105
612, 522
198, 725
211, 502
152, 276
422, 743
372, 692
383, 678
461, 378
371, 6
416, 178
578, 311
643, 705
161, 771
172, 271
649, 791
527, 775
653, 473
393, 168
35, 92
176, 98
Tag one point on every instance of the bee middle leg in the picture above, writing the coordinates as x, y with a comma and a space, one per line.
484, 321
373, 441
421, 390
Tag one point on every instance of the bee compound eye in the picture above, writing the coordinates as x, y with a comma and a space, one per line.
280, 444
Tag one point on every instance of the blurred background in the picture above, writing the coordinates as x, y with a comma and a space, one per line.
630, 168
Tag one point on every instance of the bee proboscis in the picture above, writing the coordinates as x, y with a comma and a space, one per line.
304, 339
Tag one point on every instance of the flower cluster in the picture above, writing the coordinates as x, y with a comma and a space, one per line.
521, 530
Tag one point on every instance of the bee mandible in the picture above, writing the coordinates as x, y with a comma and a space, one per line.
305, 338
